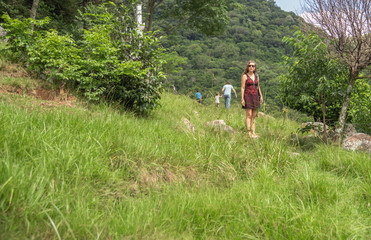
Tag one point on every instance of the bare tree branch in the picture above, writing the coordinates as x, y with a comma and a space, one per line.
347, 24
363, 77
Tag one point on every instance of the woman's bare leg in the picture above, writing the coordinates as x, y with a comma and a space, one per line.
248, 120
253, 115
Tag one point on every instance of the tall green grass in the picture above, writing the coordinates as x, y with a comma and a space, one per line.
95, 172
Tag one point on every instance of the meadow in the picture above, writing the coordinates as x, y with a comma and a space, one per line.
96, 172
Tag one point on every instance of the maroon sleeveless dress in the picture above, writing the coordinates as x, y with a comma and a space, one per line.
250, 95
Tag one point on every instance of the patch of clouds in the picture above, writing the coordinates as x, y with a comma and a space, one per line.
356, 24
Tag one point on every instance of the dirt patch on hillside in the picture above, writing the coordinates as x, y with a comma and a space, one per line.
51, 97
36, 89
13, 70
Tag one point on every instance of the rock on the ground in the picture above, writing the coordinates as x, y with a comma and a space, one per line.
294, 154
221, 125
350, 130
359, 142
2, 32
263, 115
188, 124
216, 123
315, 126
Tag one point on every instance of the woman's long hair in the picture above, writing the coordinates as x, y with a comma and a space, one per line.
247, 67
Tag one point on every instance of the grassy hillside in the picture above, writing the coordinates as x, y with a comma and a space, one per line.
78, 171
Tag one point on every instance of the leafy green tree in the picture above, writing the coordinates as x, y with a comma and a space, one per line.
207, 16
347, 26
314, 83
21, 36
112, 61
173, 64
360, 106
60, 12
16, 8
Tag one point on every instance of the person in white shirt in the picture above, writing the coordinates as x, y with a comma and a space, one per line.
226, 91
217, 97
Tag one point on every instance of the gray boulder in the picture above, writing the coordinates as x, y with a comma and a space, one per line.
359, 142
188, 124
350, 130
2, 32
315, 127
263, 115
221, 125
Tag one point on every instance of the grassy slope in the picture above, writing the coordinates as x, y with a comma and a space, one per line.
97, 173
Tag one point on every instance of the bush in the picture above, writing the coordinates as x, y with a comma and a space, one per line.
108, 61
360, 106
20, 35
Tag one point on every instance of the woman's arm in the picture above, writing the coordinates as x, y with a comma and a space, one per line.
243, 81
260, 92
261, 96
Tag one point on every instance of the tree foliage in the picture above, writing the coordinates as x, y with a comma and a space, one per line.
110, 62
360, 106
316, 81
347, 23
206, 16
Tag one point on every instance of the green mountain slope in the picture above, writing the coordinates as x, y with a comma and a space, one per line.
81, 171
255, 32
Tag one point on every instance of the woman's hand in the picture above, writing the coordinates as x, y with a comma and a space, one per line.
261, 100
242, 102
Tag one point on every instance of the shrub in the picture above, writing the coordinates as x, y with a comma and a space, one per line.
360, 106
109, 60
20, 35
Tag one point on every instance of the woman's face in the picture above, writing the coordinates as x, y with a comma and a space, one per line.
251, 67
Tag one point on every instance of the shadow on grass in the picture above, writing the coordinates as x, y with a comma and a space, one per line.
306, 143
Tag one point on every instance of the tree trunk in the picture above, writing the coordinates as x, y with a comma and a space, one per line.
324, 117
343, 114
35, 6
149, 18
84, 4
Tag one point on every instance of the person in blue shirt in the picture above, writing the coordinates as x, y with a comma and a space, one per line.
198, 96
226, 91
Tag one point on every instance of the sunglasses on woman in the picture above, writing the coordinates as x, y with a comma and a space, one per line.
251, 65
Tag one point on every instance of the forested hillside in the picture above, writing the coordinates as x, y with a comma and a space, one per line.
196, 60
255, 31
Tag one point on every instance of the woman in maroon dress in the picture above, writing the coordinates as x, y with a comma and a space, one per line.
251, 96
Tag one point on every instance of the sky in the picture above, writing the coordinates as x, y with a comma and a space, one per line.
290, 5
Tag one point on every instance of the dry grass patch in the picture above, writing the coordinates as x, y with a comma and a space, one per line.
12, 70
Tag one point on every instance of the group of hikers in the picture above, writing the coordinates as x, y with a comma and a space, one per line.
226, 92
251, 96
